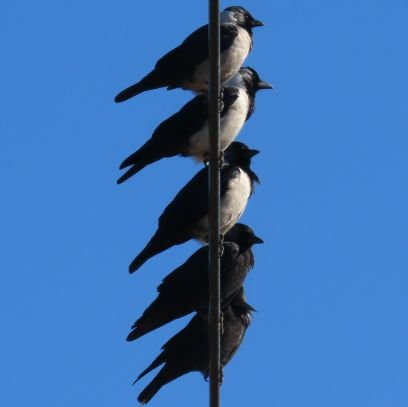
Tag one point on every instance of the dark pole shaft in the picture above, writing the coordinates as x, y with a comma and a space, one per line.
214, 187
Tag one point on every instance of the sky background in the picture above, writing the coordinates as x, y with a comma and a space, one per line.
330, 283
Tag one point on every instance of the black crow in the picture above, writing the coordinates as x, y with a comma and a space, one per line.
186, 289
188, 351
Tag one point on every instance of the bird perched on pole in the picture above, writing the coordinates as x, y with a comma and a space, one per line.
186, 133
188, 350
186, 289
186, 217
187, 66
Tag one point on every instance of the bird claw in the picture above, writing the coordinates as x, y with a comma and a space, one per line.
206, 160
221, 101
221, 160
221, 376
221, 245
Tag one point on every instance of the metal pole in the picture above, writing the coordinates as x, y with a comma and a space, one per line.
214, 188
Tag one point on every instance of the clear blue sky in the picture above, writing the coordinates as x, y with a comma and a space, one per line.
330, 283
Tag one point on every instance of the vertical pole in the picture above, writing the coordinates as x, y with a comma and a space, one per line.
214, 188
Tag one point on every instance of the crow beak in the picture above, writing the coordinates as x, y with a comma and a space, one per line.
264, 85
257, 23
258, 240
251, 153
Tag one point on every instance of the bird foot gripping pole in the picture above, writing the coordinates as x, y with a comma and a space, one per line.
221, 101
221, 160
221, 245
215, 243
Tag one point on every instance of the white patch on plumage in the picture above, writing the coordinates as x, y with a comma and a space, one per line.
231, 124
233, 57
231, 60
232, 204
233, 120
234, 201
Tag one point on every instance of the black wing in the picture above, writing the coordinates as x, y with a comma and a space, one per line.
188, 284
173, 134
181, 292
171, 137
191, 337
189, 205
182, 60
175, 131
191, 118
188, 279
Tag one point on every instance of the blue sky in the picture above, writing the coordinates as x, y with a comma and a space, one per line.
330, 282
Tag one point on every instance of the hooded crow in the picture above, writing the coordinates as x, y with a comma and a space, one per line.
186, 132
187, 65
186, 217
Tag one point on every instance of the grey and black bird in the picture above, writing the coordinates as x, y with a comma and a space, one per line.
185, 290
188, 350
186, 217
187, 66
186, 132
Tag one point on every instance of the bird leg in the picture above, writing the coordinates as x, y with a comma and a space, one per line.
207, 318
221, 160
221, 245
206, 160
221, 375
221, 323
221, 101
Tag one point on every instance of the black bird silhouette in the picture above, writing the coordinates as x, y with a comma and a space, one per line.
186, 289
186, 132
187, 65
188, 350
186, 217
